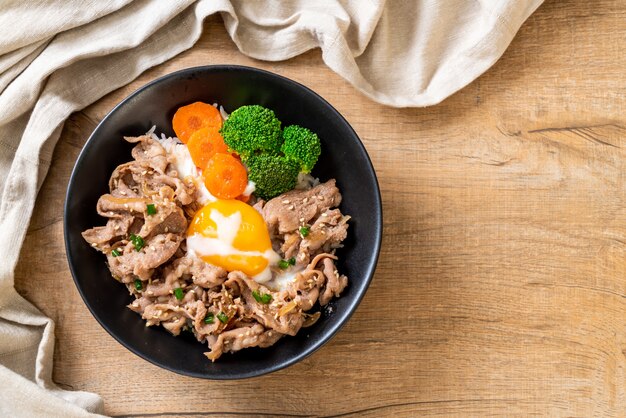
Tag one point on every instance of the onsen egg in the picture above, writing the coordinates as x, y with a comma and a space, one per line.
233, 235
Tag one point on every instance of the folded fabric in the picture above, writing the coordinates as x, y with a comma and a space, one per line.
57, 57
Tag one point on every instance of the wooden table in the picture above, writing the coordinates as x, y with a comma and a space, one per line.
501, 287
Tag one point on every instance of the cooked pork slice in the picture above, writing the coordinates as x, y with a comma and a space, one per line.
289, 211
335, 283
306, 288
142, 263
160, 313
207, 275
291, 244
149, 150
327, 233
114, 230
240, 338
111, 206
281, 315
168, 218
201, 327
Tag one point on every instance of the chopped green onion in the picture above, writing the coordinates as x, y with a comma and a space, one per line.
178, 292
304, 231
137, 241
209, 318
283, 264
115, 252
222, 317
292, 261
265, 299
151, 209
138, 284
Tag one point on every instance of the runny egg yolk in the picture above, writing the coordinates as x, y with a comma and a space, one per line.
231, 234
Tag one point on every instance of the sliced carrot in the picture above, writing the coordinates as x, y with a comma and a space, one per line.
225, 177
244, 198
190, 118
204, 143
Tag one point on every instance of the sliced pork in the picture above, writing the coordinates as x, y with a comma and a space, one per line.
147, 212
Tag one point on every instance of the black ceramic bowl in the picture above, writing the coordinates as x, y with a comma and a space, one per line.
343, 157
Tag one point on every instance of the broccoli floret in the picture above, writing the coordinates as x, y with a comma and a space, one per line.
272, 174
302, 145
252, 129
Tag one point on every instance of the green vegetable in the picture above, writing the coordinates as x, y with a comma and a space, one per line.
115, 252
304, 231
151, 209
137, 241
138, 284
302, 145
222, 317
178, 292
209, 318
272, 174
251, 130
265, 299
284, 264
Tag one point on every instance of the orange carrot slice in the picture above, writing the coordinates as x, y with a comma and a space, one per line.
204, 144
190, 118
225, 177
243, 198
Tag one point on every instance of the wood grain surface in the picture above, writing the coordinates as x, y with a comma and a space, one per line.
501, 287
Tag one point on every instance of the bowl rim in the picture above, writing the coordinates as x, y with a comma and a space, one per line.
354, 303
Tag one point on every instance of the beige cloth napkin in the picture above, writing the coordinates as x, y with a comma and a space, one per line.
57, 57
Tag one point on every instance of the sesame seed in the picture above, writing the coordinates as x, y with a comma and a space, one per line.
239, 335
126, 205
291, 207
135, 304
247, 333
111, 213
306, 199
150, 292
123, 192
143, 173
322, 232
324, 214
167, 229
94, 244
269, 333
286, 201
116, 227
301, 219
